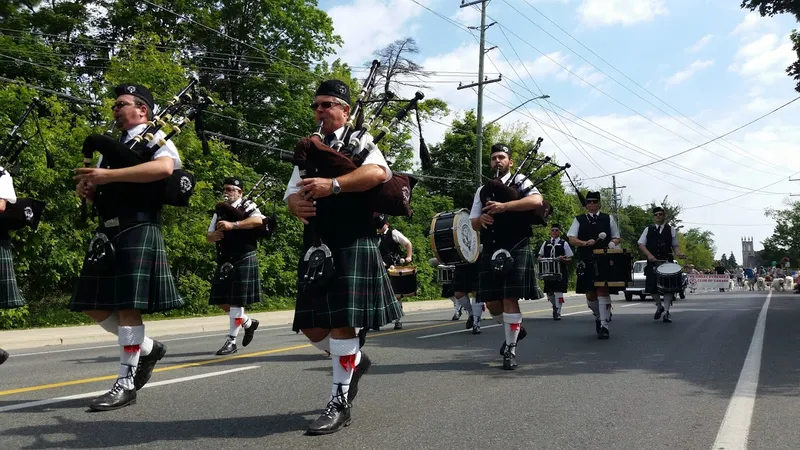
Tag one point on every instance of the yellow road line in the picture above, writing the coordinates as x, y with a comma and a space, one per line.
229, 358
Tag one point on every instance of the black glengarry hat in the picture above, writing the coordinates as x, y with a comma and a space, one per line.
233, 182
593, 195
336, 89
500, 147
136, 90
658, 209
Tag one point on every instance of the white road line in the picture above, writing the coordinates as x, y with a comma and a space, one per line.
631, 304
96, 393
735, 428
487, 326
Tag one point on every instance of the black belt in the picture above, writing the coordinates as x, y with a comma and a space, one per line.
127, 218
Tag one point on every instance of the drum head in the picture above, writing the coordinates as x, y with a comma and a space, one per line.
668, 269
467, 238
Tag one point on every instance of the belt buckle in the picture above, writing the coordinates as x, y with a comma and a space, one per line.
110, 223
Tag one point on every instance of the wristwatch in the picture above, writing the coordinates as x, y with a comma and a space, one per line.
236, 225
335, 186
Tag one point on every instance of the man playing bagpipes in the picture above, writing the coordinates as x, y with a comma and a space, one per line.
126, 273
588, 232
342, 284
507, 271
391, 242
10, 296
236, 280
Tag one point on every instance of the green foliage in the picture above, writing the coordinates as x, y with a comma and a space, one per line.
771, 8
785, 239
698, 245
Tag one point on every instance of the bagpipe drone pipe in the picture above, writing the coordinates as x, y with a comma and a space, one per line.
182, 109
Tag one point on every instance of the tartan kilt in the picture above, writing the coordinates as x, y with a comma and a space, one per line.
242, 286
465, 277
138, 276
519, 283
358, 295
11, 297
585, 282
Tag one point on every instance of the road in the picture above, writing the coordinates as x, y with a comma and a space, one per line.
653, 385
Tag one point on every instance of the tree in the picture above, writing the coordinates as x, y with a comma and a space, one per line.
785, 240
698, 245
724, 260
732, 264
396, 66
771, 8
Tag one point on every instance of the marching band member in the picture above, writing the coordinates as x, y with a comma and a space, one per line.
563, 252
465, 280
359, 293
10, 296
584, 233
502, 292
659, 242
390, 241
136, 279
241, 286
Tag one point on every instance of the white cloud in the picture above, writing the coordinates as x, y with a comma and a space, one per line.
625, 12
764, 59
700, 44
753, 24
685, 74
469, 16
367, 25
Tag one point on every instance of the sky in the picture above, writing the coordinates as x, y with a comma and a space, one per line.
630, 82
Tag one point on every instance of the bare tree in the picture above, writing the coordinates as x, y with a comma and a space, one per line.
395, 64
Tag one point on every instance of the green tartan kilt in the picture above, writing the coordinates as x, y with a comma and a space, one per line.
358, 295
137, 277
242, 287
11, 297
519, 283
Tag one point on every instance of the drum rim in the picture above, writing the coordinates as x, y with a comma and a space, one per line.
680, 269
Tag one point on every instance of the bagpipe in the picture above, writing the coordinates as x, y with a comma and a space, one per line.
25, 211
181, 110
315, 159
247, 205
512, 189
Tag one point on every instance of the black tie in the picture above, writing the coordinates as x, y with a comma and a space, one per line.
329, 139
123, 136
553, 243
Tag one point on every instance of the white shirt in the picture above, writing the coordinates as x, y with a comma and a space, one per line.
374, 157
477, 206
398, 237
643, 238
7, 187
567, 249
167, 150
255, 212
573, 229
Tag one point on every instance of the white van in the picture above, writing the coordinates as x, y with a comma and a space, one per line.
638, 279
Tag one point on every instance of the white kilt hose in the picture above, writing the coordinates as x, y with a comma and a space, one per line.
136, 276
10, 297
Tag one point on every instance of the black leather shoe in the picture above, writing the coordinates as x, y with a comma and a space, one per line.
597, 326
556, 315
522, 334
603, 334
228, 348
248, 332
334, 418
118, 397
667, 318
147, 363
398, 325
509, 359
658, 313
362, 338
3, 356
470, 321
360, 370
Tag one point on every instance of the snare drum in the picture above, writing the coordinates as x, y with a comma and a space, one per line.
669, 277
452, 238
550, 269
404, 280
612, 267
445, 274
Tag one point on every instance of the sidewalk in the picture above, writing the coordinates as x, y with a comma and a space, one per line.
91, 334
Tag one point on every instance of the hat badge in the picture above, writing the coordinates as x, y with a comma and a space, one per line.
341, 89
131, 89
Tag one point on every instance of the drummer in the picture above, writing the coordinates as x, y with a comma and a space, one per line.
465, 281
557, 248
659, 242
391, 242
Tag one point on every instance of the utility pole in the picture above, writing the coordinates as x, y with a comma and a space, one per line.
617, 198
480, 83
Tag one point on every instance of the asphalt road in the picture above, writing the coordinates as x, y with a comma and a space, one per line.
653, 385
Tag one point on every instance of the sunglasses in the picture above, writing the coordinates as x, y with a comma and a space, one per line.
230, 189
120, 105
325, 105
658, 214
592, 201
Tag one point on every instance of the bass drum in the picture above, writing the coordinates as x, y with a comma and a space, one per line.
452, 238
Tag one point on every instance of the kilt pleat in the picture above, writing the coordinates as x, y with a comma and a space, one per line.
138, 276
359, 294
519, 283
242, 287
10, 297
465, 277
